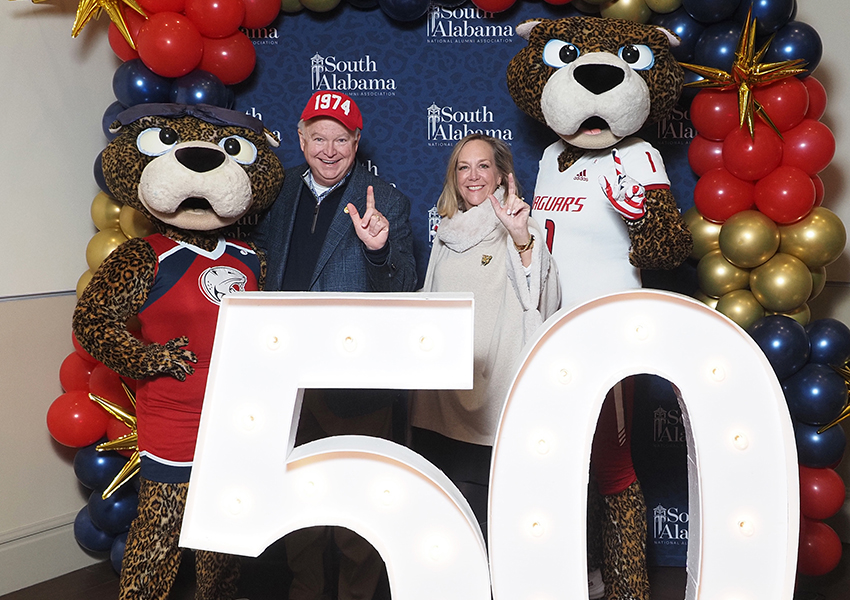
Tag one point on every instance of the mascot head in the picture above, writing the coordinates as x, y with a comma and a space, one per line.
595, 81
196, 168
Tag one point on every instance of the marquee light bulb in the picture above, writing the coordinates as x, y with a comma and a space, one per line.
718, 374
542, 446
426, 344
746, 528
564, 376
642, 332
349, 343
740, 441
274, 342
386, 498
537, 529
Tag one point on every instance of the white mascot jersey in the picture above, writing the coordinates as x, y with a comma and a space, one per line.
586, 236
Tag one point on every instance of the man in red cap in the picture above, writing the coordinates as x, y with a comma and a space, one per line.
336, 227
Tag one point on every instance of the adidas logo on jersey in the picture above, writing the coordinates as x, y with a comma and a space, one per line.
581, 175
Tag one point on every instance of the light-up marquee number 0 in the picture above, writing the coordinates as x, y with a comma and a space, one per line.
249, 487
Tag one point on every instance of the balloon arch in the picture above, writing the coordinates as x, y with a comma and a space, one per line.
762, 237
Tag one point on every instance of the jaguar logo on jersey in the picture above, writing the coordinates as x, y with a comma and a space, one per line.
461, 24
667, 426
354, 76
669, 525
218, 282
447, 125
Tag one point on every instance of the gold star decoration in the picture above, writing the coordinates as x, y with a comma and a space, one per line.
125, 442
844, 371
91, 9
748, 72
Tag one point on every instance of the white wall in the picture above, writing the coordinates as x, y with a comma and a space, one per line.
54, 92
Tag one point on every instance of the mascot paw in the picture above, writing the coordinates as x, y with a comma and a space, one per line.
172, 359
628, 197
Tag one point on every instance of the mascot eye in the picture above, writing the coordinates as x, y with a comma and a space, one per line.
639, 57
558, 53
156, 141
239, 149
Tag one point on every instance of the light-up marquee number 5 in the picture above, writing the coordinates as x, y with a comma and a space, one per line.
249, 487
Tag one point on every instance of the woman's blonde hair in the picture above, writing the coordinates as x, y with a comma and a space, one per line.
451, 201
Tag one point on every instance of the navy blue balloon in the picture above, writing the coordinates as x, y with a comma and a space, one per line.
133, 83
819, 450
404, 10
686, 27
114, 514
717, 44
96, 470
99, 178
116, 553
199, 87
770, 15
815, 394
711, 11
367, 4
784, 342
796, 40
89, 536
830, 341
108, 118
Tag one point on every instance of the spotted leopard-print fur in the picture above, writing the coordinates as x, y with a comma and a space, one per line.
624, 546
152, 554
527, 73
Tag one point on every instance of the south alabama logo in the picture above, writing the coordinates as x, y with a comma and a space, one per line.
218, 282
446, 124
464, 24
357, 76
669, 525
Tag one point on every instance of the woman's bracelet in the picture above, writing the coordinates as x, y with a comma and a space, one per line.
525, 247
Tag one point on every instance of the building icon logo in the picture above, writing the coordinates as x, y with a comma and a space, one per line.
446, 126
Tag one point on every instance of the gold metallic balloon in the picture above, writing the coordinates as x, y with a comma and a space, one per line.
105, 211
291, 6
705, 299
818, 281
630, 10
101, 245
134, 223
748, 238
817, 239
717, 276
782, 284
741, 306
802, 315
82, 282
705, 233
663, 6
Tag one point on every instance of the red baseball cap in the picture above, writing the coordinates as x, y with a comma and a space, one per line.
335, 105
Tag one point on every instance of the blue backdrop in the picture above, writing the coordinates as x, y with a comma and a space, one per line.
421, 87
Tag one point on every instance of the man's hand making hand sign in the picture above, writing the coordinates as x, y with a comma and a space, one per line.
372, 228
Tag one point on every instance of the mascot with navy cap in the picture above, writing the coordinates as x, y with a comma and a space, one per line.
194, 171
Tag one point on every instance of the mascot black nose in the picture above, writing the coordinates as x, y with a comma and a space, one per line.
200, 160
598, 79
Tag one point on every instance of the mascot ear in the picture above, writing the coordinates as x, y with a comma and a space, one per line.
524, 29
271, 138
115, 127
671, 37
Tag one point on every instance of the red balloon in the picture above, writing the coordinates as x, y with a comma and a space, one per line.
819, 189
81, 351
75, 372
216, 18
158, 6
822, 492
705, 154
106, 383
259, 13
169, 44
74, 420
494, 6
718, 195
752, 157
714, 113
785, 102
119, 45
786, 195
820, 548
231, 59
810, 146
817, 98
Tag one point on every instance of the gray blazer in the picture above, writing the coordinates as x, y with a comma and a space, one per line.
342, 265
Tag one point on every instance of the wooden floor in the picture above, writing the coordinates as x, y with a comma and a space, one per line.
265, 579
